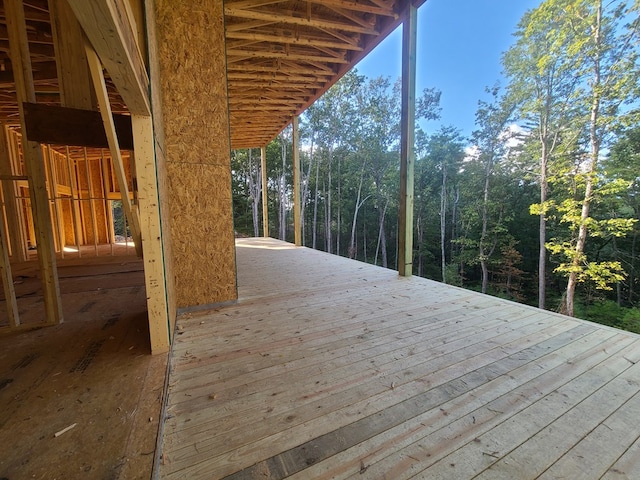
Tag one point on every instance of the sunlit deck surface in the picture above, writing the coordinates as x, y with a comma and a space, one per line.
331, 368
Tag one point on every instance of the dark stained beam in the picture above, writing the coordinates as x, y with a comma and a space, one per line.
71, 126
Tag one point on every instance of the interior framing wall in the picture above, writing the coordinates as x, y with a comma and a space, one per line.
193, 96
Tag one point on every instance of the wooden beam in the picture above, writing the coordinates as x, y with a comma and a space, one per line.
238, 54
34, 162
278, 17
297, 208
407, 144
265, 205
293, 40
107, 25
152, 244
71, 126
95, 67
71, 60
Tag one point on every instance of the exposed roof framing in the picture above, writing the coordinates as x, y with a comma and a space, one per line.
283, 54
43, 61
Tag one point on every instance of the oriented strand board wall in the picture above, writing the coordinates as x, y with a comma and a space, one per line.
190, 40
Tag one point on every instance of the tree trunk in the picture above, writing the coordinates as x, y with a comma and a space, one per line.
443, 223
542, 232
632, 273
255, 190
339, 215
381, 246
484, 256
352, 242
283, 193
305, 194
314, 232
594, 141
420, 240
328, 208
454, 220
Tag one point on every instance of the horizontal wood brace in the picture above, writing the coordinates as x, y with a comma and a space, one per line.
291, 20
305, 41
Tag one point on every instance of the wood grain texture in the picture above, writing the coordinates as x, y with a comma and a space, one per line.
331, 368
202, 233
192, 73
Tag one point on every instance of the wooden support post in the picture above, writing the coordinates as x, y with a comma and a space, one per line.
265, 206
7, 277
407, 143
152, 245
34, 162
15, 217
90, 202
131, 212
108, 214
297, 208
53, 191
74, 199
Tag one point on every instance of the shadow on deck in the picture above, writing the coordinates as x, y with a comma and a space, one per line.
331, 368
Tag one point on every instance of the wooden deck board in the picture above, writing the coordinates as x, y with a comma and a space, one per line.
331, 368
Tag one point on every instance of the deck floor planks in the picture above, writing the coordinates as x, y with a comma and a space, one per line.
315, 339
304, 312
534, 456
381, 384
380, 381
588, 458
527, 382
373, 349
484, 448
627, 466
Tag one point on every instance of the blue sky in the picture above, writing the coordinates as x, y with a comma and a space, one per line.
460, 43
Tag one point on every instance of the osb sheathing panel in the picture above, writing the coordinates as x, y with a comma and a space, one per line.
193, 76
203, 244
66, 213
191, 54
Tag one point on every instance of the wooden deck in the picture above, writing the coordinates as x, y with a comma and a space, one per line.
331, 368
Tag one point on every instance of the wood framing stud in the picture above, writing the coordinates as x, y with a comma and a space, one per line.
95, 67
15, 215
153, 254
34, 161
6, 277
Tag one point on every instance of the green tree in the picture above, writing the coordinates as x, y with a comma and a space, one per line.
602, 47
491, 144
444, 153
543, 85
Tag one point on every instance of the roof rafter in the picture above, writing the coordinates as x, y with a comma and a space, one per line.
291, 20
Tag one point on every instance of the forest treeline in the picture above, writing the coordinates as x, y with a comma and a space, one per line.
539, 205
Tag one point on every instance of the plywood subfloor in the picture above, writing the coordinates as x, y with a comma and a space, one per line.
93, 371
330, 368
